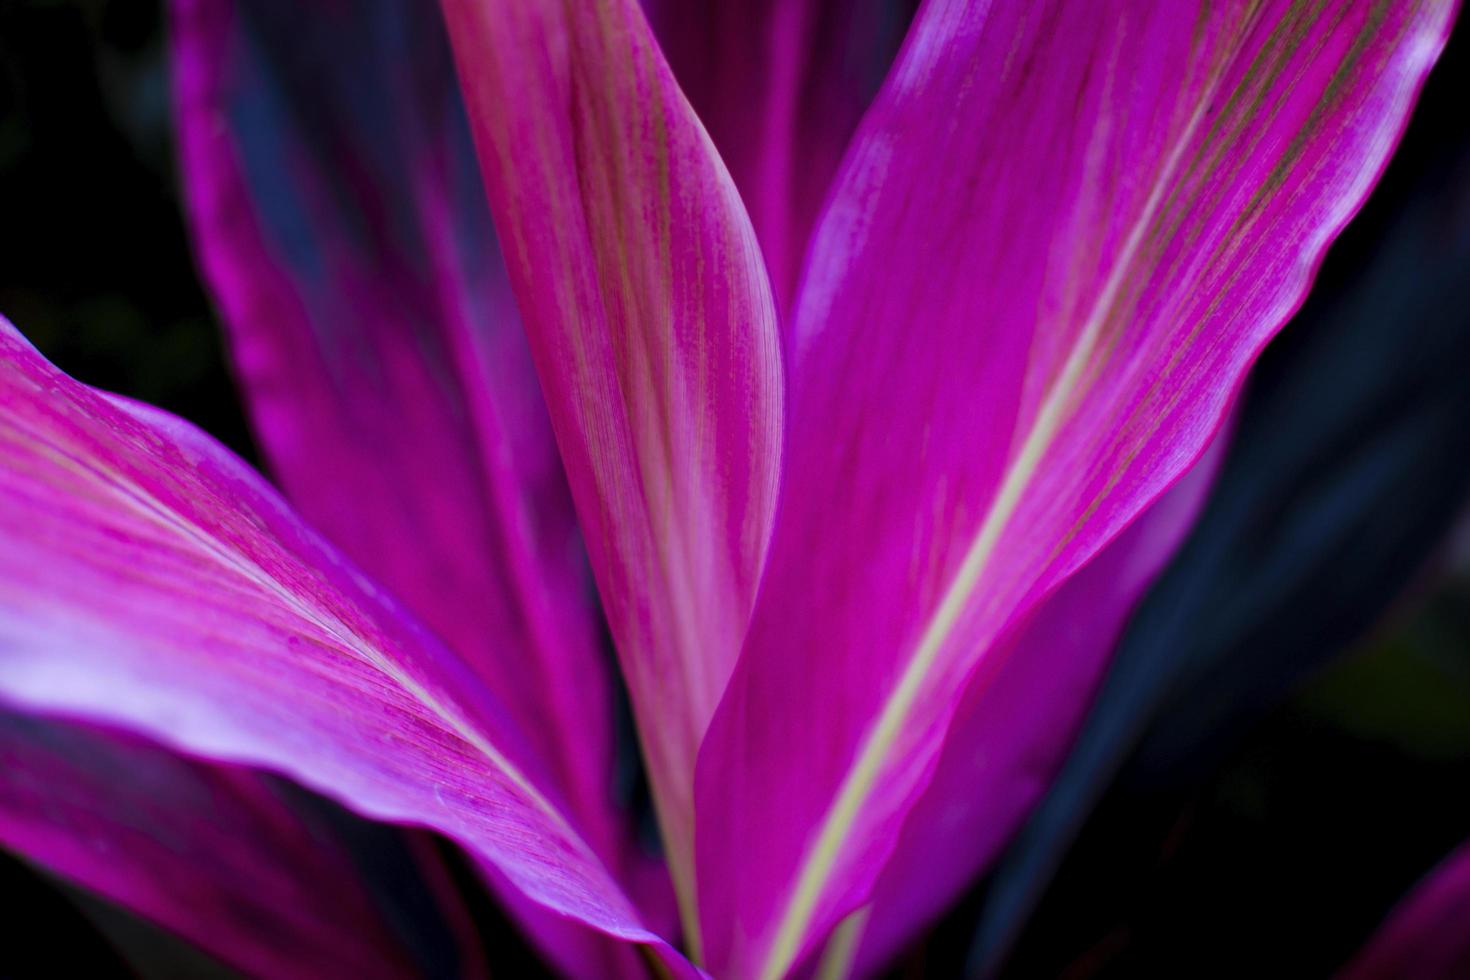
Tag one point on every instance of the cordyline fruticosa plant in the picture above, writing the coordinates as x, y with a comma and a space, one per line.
869, 404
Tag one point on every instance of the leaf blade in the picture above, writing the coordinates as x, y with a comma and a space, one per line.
1311, 532
1424, 935
1001, 751
337, 214
152, 582
204, 851
1024, 397
655, 336
782, 87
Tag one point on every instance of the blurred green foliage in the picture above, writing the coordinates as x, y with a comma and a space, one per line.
1410, 687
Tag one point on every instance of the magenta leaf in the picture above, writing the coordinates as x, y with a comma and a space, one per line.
654, 334
210, 852
1063, 233
1010, 737
337, 208
1424, 937
781, 87
151, 581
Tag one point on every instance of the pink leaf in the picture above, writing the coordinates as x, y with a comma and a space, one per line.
1063, 233
1009, 737
209, 852
151, 581
1424, 937
781, 86
654, 334
337, 208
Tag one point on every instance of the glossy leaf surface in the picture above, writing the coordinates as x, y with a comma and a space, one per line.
1351, 463
1009, 740
337, 212
1063, 234
654, 333
151, 581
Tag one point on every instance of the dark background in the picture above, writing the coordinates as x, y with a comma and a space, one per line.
1337, 772
94, 265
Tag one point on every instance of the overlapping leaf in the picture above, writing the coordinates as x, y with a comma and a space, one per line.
654, 334
1352, 462
1064, 232
781, 87
207, 851
337, 210
1008, 739
150, 580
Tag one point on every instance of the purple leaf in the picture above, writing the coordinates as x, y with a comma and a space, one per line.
151, 581
1424, 937
338, 213
1063, 233
210, 852
655, 337
781, 87
1009, 737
